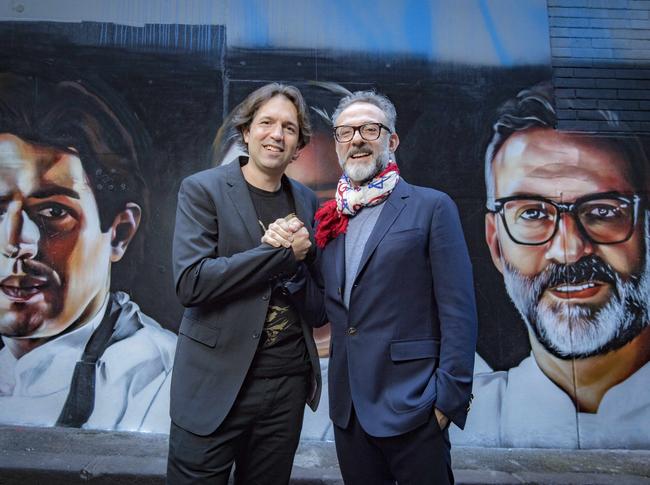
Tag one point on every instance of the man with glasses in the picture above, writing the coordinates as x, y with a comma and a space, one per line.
567, 227
399, 296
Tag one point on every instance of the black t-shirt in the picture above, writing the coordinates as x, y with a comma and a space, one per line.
282, 350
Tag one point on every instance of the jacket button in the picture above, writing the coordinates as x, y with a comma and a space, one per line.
352, 331
265, 297
256, 335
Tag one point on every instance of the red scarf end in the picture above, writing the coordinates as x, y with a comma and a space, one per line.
331, 223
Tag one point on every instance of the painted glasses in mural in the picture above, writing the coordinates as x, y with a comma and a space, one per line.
71, 197
567, 227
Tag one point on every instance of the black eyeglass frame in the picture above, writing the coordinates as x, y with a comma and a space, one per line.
570, 208
358, 128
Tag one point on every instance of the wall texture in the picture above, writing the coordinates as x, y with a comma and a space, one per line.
130, 94
601, 60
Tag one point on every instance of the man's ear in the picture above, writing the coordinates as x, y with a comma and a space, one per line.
124, 227
244, 133
492, 239
296, 154
393, 142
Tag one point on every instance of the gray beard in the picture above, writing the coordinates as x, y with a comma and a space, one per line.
574, 331
362, 173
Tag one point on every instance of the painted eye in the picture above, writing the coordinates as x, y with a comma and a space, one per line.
53, 212
604, 212
533, 214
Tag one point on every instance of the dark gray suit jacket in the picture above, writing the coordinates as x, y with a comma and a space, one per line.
224, 276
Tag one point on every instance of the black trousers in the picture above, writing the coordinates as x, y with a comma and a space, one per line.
260, 436
420, 457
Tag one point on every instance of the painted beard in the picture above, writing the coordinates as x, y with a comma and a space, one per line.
360, 173
571, 330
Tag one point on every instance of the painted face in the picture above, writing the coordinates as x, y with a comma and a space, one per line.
54, 259
362, 159
272, 136
579, 298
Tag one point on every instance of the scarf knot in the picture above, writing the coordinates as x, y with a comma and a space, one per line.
333, 216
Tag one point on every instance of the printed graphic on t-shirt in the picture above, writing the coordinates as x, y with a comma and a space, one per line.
277, 321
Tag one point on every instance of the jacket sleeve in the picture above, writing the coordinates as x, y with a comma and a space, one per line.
454, 295
306, 290
200, 275
306, 286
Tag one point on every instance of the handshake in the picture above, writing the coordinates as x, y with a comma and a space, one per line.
288, 232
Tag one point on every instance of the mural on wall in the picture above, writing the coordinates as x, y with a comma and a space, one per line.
78, 190
567, 228
71, 201
100, 122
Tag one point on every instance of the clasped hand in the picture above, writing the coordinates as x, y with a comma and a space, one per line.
289, 234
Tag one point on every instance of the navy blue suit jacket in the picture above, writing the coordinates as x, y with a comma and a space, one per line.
407, 343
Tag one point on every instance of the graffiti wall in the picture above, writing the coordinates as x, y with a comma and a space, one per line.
99, 124
101, 117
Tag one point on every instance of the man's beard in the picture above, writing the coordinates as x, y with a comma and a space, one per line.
570, 330
360, 173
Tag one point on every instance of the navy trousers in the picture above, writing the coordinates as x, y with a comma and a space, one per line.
420, 457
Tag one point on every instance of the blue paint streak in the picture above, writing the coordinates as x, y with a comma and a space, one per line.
350, 21
502, 54
418, 20
257, 31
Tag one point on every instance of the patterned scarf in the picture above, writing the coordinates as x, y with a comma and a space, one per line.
333, 215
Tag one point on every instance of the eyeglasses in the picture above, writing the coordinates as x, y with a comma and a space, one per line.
368, 131
607, 218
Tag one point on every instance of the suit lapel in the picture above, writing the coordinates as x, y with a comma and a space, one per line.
392, 208
241, 199
340, 262
334, 259
301, 208
337, 245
